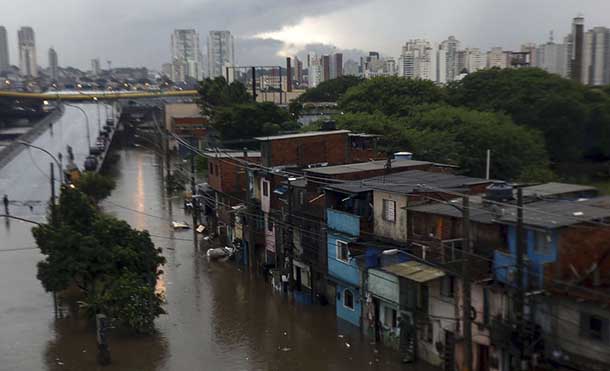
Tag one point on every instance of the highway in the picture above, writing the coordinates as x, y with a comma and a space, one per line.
26, 178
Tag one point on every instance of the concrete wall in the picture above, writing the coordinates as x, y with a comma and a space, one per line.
343, 222
383, 285
396, 230
350, 315
330, 148
178, 110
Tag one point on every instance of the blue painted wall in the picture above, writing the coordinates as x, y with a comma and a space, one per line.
504, 262
343, 222
347, 272
349, 315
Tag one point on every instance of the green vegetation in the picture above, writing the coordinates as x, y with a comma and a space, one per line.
113, 266
233, 114
95, 186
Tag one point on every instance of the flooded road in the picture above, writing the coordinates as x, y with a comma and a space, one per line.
219, 318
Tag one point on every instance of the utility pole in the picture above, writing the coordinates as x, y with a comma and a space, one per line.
249, 233
520, 294
54, 224
193, 200
466, 293
254, 84
289, 239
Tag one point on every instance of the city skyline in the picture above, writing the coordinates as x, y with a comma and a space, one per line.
483, 25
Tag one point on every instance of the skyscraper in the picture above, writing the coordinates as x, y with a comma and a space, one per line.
596, 56
451, 47
314, 70
336, 65
27, 52
576, 54
4, 57
474, 60
53, 70
297, 71
552, 58
96, 68
186, 55
496, 57
221, 52
418, 60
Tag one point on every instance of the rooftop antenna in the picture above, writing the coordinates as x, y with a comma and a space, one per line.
551, 37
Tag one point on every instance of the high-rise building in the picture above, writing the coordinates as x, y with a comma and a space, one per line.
352, 68
475, 60
4, 56
53, 66
27, 52
451, 47
596, 56
552, 58
221, 52
96, 67
496, 57
530, 48
297, 71
325, 60
576, 54
314, 70
336, 65
418, 60
186, 54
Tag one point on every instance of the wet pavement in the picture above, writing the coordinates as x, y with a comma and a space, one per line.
219, 318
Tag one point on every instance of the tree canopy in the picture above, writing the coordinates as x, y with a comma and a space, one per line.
95, 186
105, 258
572, 117
233, 114
330, 90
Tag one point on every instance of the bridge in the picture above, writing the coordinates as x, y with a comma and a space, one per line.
96, 95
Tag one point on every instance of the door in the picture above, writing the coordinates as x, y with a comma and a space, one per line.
298, 278
483, 359
376, 324
449, 352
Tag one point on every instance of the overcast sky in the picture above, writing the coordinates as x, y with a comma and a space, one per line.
137, 32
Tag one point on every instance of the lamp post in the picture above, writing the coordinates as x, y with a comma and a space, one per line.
58, 162
86, 122
99, 124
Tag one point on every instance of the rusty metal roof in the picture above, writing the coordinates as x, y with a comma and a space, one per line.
415, 271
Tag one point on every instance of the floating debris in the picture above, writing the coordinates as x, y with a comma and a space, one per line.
286, 349
348, 345
340, 336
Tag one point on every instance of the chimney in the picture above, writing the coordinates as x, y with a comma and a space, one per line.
288, 75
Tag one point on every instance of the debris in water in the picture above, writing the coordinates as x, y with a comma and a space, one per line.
340, 336
348, 345
59, 363
286, 349
285, 333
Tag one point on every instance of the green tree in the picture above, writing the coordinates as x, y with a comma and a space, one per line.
330, 90
214, 93
249, 120
391, 96
96, 186
100, 255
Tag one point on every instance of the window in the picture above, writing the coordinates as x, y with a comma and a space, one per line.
448, 286
389, 210
594, 327
270, 225
342, 251
265, 188
542, 241
348, 299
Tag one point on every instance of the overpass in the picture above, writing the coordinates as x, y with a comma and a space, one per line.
99, 95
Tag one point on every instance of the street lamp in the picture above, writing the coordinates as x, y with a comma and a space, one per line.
59, 166
99, 125
86, 121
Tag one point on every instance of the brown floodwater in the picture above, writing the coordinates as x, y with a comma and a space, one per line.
218, 316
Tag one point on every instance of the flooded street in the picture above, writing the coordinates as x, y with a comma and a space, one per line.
218, 318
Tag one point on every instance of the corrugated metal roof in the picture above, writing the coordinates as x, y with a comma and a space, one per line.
406, 182
364, 166
415, 271
554, 188
303, 135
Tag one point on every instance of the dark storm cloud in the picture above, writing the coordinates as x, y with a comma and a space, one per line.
136, 32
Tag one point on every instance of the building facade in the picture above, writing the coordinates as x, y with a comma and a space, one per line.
186, 55
4, 55
53, 65
221, 52
28, 65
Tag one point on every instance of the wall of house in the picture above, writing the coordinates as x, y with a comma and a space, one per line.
579, 248
269, 234
350, 315
265, 199
504, 263
566, 337
343, 222
441, 310
396, 230
332, 149
348, 272
178, 110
